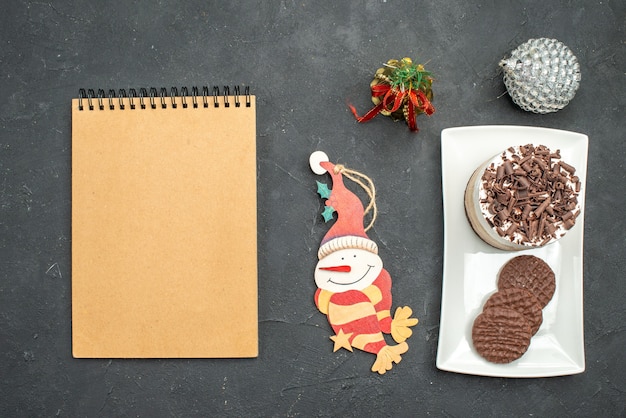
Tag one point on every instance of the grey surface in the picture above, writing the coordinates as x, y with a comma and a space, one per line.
304, 60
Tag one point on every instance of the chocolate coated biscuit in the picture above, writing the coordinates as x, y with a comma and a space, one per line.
520, 300
530, 273
501, 335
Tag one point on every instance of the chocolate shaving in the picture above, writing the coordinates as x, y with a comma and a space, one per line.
511, 229
557, 195
567, 167
500, 173
531, 194
541, 163
508, 167
542, 207
523, 182
504, 214
546, 240
542, 223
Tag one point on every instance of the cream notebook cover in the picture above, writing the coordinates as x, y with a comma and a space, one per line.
164, 256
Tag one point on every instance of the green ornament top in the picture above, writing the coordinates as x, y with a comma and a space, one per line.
406, 76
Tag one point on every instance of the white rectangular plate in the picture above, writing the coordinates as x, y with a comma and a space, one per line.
471, 266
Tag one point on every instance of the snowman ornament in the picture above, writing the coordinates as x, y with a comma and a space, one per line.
353, 287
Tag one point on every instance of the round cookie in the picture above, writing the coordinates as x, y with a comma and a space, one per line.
530, 273
520, 300
501, 335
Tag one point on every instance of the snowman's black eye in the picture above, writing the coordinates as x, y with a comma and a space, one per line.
354, 256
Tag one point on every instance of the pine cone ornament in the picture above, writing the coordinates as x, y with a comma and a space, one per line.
542, 75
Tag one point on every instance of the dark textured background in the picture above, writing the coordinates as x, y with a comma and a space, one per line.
304, 60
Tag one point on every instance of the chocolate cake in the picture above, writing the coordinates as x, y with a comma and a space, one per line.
525, 197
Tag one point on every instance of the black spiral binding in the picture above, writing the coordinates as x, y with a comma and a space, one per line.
154, 97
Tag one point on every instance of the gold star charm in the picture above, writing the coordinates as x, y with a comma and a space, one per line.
342, 340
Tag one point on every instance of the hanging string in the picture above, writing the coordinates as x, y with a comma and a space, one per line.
369, 188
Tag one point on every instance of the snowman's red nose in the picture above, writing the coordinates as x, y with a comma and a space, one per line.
341, 269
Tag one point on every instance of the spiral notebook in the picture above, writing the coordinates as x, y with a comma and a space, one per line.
164, 260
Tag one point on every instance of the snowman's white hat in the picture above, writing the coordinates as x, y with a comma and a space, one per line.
346, 242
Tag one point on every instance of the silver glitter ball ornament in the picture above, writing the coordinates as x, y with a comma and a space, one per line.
541, 75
